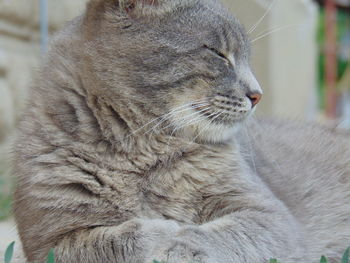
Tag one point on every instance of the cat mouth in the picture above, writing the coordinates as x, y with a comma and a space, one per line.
224, 112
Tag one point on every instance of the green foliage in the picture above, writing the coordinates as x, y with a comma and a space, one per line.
323, 259
345, 258
5, 206
51, 256
5, 197
9, 252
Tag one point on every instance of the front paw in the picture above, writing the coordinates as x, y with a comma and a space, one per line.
180, 252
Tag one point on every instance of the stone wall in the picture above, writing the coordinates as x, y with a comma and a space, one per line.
20, 53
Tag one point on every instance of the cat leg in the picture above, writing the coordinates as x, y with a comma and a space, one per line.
258, 227
126, 243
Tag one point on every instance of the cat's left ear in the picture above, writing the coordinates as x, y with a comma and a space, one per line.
98, 11
130, 6
147, 8
102, 10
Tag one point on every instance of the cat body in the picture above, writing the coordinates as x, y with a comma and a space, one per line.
132, 148
309, 171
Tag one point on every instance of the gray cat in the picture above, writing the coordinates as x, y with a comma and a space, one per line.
136, 146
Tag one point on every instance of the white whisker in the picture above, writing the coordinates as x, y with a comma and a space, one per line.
180, 107
192, 121
201, 117
185, 118
205, 128
271, 32
163, 116
171, 124
166, 117
255, 26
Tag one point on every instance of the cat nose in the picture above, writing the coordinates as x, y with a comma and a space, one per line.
254, 98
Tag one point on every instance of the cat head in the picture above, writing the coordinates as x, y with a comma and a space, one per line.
179, 67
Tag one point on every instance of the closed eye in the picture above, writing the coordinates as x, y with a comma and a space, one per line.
217, 52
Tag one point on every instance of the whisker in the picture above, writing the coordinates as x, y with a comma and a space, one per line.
255, 26
184, 118
201, 117
272, 31
158, 118
168, 115
197, 106
267, 30
193, 121
208, 125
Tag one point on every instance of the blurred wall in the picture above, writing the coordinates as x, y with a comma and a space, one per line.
20, 54
285, 60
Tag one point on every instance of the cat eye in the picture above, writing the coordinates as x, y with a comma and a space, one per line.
217, 52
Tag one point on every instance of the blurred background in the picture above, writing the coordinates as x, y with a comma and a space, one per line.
301, 56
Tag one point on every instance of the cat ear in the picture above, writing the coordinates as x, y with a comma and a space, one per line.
130, 5
122, 5
151, 8
134, 8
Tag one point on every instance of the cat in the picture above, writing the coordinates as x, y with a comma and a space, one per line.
138, 144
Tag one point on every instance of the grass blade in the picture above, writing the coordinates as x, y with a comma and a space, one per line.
9, 252
345, 258
51, 257
273, 260
323, 259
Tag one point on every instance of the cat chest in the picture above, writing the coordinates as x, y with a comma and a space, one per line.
188, 191
185, 194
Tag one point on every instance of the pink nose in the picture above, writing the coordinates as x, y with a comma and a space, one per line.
255, 98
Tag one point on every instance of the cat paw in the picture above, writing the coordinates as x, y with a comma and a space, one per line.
180, 252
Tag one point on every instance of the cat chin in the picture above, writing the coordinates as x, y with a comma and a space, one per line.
207, 131
214, 134
220, 133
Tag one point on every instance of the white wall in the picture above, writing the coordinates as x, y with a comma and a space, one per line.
20, 54
285, 61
